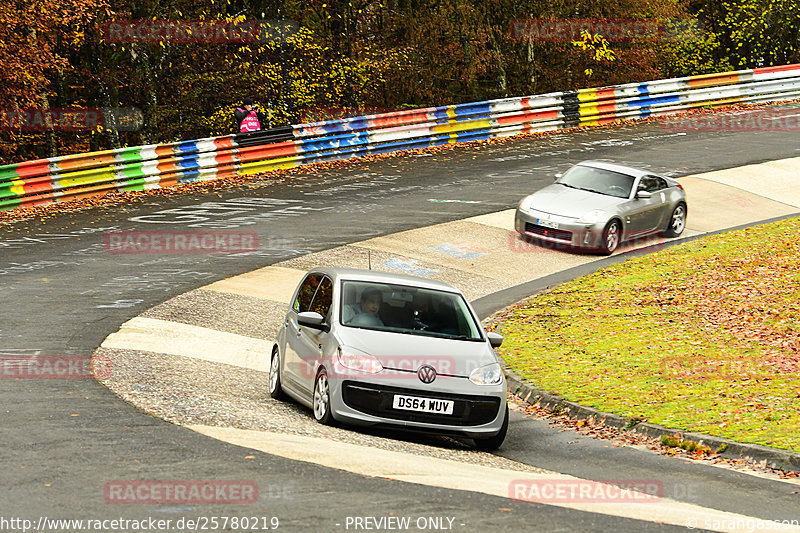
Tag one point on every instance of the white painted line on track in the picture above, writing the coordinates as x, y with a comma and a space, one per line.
461, 249
269, 283
175, 338
715, 206
501, 219
500, 260
443, 473
776, 180
497, 261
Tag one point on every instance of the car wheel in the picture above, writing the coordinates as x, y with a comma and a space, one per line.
677, 222
612, 235
492, 443
322, 399
275, 389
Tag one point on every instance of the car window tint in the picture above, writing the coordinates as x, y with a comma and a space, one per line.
598, 180
349, 302
410, 310
323, 298
306, 293
651, 184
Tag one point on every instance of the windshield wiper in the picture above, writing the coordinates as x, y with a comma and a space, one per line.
581, 188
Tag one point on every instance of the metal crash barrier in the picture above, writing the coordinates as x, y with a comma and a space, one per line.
60, 179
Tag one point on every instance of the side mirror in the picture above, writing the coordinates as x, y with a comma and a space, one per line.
495, 340
643, 195
558, 176
313, 320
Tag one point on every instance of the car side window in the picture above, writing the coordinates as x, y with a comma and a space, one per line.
306, 293
323, 298
652, 184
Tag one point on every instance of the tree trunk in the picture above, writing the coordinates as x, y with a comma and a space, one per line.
141, 65
502, 79
50, 145
531, 67
109, 116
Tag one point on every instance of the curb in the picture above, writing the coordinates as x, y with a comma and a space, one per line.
486, 306
773, 457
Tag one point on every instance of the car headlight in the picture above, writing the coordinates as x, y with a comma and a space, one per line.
487, 375
526, 204
359, 361
594, 216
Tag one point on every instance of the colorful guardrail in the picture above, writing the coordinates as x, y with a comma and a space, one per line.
63, 178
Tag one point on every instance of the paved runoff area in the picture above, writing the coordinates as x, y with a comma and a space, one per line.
200, 359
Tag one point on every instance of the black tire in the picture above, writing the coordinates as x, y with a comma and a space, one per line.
677, 221
489, 444
321, 401
274, 380
611, 237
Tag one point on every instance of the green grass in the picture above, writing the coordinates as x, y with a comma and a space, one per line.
703, 336
676, 441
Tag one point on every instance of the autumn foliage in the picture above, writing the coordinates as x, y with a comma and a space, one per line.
343, 54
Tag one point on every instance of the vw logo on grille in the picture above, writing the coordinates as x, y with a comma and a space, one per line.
426, 374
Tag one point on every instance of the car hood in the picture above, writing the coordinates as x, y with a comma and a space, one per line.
572, 203
409, 352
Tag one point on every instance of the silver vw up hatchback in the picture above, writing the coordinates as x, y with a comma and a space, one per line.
371, 348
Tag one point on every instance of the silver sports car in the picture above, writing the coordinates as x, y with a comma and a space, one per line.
600, 205
379, 349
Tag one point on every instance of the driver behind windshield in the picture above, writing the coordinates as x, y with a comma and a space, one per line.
371, 300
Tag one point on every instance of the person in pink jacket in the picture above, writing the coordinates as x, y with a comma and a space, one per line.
248, 117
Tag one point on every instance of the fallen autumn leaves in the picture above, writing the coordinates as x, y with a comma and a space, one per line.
204, 187
703, 337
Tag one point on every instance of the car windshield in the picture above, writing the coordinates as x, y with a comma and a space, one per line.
405, 309
598, 180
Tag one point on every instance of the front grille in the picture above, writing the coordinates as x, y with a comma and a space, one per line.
377, 401
560, 234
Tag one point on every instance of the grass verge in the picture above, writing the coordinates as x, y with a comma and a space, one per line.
703, 336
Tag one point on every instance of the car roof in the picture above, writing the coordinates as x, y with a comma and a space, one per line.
353, 274
622, 169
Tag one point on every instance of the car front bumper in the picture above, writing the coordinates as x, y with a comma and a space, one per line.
478, 411
567, 233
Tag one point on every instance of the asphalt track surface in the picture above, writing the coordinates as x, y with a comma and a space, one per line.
63, 294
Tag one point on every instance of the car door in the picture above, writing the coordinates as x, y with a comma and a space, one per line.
311, 342
292, 364
644, 214
663, 212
